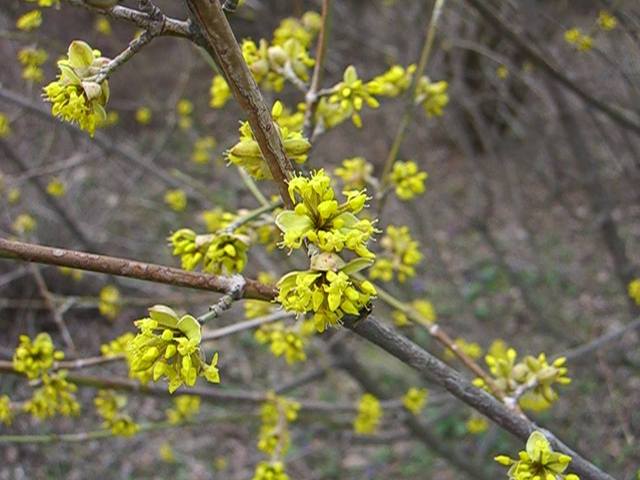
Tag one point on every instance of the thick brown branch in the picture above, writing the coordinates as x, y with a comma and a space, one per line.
123, 267
218, 37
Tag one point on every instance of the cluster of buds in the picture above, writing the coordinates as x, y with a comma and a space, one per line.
415, 399
401, 254
185, 407
35, 358
432, 96
222, 252
169, 346
287, 341
408, 179
56, 395
246, 153
369, 415
110, 407
75, 96
31, 59
538, 460
529, 381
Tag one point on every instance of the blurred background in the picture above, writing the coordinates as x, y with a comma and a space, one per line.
529, 227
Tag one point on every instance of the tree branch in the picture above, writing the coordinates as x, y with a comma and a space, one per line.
123, 267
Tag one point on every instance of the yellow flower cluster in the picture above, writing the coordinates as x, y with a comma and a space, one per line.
320, 219
31, 59
185, 407
355, 173
408, 179
118, 346
270, 471
287, 341
169, 346
369, 415
606, 21
6, 413
219, 92
143, 115
421, 311
203, 149
352, 94
415, 399
286, 58
472, 349
110, 302
476, 424
328, 294
56, 188
103, 26
109, 406
219, 253
634, 290
401, 254
35, 358
538, 461
216, 219
246, 153
393, 82
275, 415
29, 21
176, 199
56, 395
432, 96
5, 128
184, 109
581, 41
532, 378
23, 224
74, 96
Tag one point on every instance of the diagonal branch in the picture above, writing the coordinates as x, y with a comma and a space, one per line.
218, 38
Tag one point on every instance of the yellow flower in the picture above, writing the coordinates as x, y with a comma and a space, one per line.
533, 376
203, 149
110, 302
401, 254
246, 153
36, 358
408, 179
476, 424
143, 115
270, 471
351, 95
74, 96
329, 295
32, 59
415, 399
185, 407
634, 290
226, 254
13, 195
176, 200
102, 26
168, 346
5, 129
502, 71
425, 310
219, 92
538, 461
319, 218
579, 40
184, 107
56, 395
355, 173
23, 224
472, 349
117, 346
606, 21
393, 82
369, 415
275, 415
287, 341
29, 21
56, 188
433, 96
166, 453
6, 413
